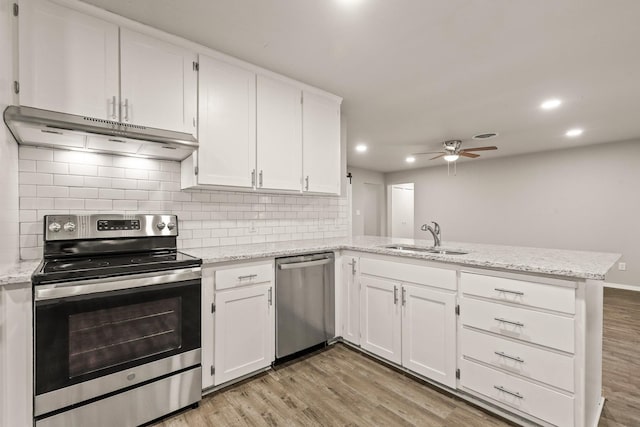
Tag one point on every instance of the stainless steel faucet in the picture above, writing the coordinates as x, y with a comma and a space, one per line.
435, 232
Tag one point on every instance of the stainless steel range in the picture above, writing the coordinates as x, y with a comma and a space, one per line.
116, 321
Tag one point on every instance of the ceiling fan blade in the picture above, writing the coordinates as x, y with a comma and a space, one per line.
470, 155
427, 152
480, 149
437, 157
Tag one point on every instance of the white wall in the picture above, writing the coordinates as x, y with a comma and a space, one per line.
8, 147
359, 201
585, 198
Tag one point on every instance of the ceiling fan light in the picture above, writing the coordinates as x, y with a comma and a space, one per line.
451, 157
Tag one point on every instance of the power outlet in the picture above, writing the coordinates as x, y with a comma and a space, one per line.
622, 266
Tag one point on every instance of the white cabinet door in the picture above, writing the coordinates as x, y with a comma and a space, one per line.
351, 300
158, 83
279, 135
68, 61
380, 317
321, 144
244, 331
207, 319
227, 124
429, 333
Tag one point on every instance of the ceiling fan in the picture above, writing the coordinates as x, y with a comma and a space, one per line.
451, 151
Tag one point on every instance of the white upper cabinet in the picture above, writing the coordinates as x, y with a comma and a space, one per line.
68, 61
321, 144
279, 135
75, 63
227, 124
158, 83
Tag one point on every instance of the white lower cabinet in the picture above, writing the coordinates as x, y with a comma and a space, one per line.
243, 331
428, 333
238, 321
412, 324
381, 322
351, 300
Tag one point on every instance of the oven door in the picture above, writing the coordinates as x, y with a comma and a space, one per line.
95, 337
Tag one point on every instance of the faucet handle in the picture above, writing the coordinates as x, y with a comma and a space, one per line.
436, 227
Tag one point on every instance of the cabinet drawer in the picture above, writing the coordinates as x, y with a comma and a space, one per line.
557, 298
243, 275
528, 325
531, 362
421, 274
540, 402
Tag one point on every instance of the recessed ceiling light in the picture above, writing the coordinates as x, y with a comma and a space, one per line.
361, 148
410, 159
349, 3
574, 132
550, 104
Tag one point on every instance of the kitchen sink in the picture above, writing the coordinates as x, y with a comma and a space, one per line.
430, 250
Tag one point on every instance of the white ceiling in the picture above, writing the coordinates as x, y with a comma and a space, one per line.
416, 72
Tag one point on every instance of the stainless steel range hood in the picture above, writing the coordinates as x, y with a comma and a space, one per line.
33, 126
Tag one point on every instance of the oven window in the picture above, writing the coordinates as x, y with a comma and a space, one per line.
104, 338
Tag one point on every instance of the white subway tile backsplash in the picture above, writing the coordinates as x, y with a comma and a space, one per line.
68, 180
65, 182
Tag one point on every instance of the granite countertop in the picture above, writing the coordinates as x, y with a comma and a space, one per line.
555, 262
18, 273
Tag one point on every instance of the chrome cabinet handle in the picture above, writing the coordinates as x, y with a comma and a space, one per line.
509, 292
353, 267
516, 358
253, 178
248, 276
270, 297
306, 183
512, 393
404, 296
126, 109
395, 295
113, 107
260, 179
510, 322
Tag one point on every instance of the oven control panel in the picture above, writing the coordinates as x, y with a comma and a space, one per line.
105, 226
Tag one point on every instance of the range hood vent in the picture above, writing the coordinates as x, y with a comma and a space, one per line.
33, 126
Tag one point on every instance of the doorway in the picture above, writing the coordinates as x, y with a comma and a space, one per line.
401, 200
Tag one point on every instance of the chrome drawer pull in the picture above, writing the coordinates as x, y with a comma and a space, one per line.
509, 292
249, 276
509, 322
516, 358
512, 393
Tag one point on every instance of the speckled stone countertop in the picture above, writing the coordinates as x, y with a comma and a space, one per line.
18, 273
554, 262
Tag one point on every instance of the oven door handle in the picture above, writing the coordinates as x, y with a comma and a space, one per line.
86, 287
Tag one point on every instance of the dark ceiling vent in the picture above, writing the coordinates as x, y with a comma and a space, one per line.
485, 135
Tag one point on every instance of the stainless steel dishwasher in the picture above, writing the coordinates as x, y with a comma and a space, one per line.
305, 313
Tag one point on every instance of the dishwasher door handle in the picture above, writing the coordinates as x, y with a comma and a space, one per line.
304, 264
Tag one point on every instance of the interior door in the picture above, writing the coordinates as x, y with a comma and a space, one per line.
227, 124
429, 332
402, 211
279, 135
321, 144
158, 83
68, 61
380, 317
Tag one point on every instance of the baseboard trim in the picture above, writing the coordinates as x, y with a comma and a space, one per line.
622, 286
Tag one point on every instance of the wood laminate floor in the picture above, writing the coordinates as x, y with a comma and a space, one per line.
341, 387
